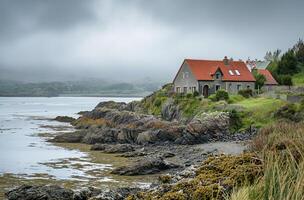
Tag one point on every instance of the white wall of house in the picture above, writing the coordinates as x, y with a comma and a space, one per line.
185, 80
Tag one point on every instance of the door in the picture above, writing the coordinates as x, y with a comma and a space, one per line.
206, 91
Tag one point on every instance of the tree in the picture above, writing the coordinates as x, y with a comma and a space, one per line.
299, 50
285, 80
288, 63
273, 56
259, 79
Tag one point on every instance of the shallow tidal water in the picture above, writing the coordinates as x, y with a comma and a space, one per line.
26, 157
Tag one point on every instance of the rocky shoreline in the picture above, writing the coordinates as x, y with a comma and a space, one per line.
167, 144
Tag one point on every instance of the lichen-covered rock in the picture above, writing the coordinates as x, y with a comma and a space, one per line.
70, 137
215, 122
170, 110
64, 119
214, 179
47, 192
111, 105
147, 165
115, 148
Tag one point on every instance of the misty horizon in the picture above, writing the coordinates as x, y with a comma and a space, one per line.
135, 40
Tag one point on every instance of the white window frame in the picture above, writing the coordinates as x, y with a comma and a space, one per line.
231, 72
237, 72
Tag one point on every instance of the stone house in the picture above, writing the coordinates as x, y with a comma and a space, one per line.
270, 83
208, 76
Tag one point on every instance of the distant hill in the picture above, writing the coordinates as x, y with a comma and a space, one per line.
76, 88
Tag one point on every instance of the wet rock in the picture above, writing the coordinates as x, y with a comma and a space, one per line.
48, 192
170, 110
65, 119
116, 148
168, 154
100, 135
115, 194
112, 105
134, 154
145, 166
70, 137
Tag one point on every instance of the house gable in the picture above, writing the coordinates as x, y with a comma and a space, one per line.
185, 78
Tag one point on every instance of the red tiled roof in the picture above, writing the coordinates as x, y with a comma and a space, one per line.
204, 69
269, 78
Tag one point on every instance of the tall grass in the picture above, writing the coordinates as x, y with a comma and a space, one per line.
282, 147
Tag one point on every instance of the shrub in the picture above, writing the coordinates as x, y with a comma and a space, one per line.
245, 93
189, 95
235, 120
157, 102
221, 95
212, 97
285, 80
286, 112
195, 93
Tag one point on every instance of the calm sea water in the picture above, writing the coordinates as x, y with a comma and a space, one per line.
22, 151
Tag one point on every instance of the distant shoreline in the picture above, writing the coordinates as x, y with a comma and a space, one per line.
107, 96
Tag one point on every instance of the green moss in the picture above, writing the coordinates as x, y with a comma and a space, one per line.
165, 178
216, 177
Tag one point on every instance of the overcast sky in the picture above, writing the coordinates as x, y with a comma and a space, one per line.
128, 40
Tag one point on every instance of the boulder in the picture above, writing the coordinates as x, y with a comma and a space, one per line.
148, 165
214, 123
112, 105
70, 137
115, 148
170, 111
100, 135
47, 192
66, 119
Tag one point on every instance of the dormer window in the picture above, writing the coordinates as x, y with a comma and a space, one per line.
231, 72
218, 75
237, 72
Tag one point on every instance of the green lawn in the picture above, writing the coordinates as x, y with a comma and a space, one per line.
298, 79
258, 111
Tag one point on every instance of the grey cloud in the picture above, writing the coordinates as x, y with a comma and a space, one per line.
130, 39
19, 17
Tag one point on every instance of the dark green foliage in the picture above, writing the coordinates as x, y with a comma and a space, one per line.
212, 97
288, 63
189, 95
157, 102
245, 93
195, 93
259, 79
235, 120
285, 80
221, 95
299, 50
287, 112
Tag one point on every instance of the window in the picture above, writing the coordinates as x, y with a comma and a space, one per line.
237, 72
239, 87
185, 75
178, 90
194, 89
218, 75
185, 89
217, 87
231, 72
248, 86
